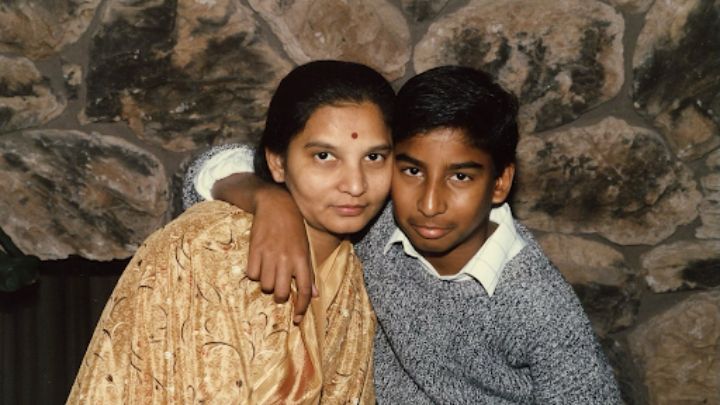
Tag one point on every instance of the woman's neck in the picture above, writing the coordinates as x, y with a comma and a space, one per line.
322, 244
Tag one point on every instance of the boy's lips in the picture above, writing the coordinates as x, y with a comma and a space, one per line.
430, 231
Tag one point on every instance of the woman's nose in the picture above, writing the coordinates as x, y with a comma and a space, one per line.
354, 181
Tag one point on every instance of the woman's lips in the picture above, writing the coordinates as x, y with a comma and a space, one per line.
350, 210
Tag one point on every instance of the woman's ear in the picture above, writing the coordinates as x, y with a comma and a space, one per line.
276, 164
503, 184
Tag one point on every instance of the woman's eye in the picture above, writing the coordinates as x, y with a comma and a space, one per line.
411, 171
324, 156
375, 157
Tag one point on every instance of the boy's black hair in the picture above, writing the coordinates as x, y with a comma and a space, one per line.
311, 86
463, 98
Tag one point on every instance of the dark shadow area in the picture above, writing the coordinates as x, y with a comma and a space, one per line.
45, 328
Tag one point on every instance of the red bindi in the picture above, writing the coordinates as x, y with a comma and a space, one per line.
354, 135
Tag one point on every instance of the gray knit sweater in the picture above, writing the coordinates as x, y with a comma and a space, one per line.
450, 343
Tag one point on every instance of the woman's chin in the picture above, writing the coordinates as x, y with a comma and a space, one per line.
345, 227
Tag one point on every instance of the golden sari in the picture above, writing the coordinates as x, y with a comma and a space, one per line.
185, 325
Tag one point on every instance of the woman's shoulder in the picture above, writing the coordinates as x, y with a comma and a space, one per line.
208, 221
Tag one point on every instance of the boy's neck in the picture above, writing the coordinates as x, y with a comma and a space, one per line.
450, 263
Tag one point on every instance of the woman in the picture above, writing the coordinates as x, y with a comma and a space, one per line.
184, 323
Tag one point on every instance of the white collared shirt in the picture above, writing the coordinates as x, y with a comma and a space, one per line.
488, 263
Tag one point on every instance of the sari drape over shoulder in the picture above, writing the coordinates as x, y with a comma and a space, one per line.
185, 325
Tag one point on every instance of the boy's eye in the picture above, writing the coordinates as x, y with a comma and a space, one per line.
411, 171
461, 177
324, 156
375, 157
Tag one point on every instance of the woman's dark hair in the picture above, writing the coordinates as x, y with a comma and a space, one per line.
311, 86
463, 98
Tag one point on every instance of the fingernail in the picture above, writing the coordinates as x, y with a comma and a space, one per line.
314, 290
297, 319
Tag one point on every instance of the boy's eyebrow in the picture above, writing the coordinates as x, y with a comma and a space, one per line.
402, 157
466, 165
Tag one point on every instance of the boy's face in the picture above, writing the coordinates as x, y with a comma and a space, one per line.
443, 189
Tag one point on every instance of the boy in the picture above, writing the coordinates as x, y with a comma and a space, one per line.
469, 308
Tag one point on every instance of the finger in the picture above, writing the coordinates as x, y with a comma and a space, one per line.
304, 283
283, 277
254, 263
267, 278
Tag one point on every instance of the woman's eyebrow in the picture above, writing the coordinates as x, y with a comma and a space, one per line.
316, 144
385, 147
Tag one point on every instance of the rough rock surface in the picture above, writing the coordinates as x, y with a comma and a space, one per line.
70, 193
423, 10
603, 281
583, 261
609, 178
680, 349
676, 83
631, 6
39, 28
72, 76
26, 98
560, 58
182, 74
710, 206
372, 32
685, 264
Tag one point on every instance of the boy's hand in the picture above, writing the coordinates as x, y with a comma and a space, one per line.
279, 250
278, 243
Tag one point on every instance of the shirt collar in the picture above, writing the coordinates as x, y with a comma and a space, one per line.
487, 265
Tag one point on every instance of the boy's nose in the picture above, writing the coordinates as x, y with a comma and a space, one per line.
431, 201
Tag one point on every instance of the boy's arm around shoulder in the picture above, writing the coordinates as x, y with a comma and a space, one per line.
279, 249
566, 361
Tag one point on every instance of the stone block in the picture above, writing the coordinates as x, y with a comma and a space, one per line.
560, 58
71, 193
609, 178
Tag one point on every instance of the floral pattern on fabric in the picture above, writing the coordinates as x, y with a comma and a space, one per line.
185, 325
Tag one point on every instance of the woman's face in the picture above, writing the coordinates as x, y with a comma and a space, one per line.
338, 167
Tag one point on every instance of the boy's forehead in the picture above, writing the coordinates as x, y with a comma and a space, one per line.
458, 134
432, 140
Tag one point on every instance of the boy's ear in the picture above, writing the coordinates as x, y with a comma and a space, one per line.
276, 164
503, 184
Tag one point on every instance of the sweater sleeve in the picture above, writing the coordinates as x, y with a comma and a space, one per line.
213, 165
566, 361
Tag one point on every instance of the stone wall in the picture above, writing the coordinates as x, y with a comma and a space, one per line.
103, 103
